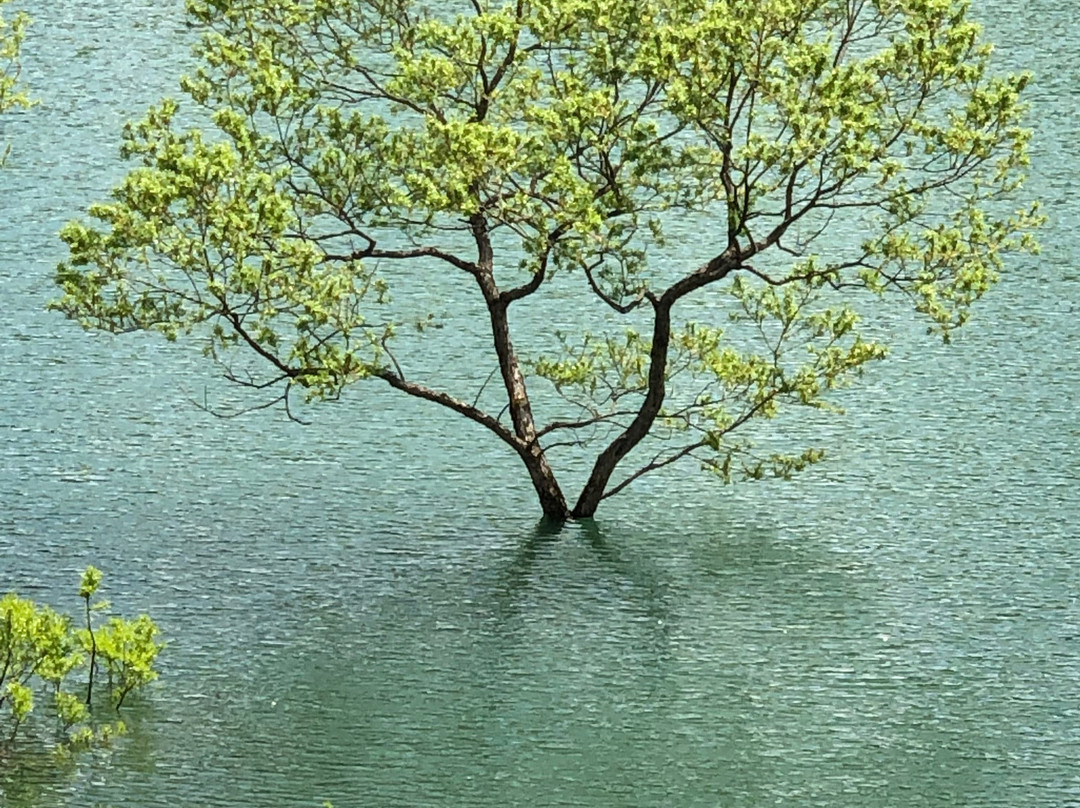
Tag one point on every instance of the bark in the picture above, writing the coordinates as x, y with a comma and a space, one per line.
547, 488
551, 497
531, 452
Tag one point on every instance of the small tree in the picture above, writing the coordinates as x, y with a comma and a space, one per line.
128, 648
41, 652
12, 32
826, 151
36, 647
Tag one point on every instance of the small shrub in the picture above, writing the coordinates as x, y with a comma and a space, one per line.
44, 659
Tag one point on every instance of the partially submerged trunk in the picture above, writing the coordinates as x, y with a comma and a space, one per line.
547, 488
604, 467
528, 446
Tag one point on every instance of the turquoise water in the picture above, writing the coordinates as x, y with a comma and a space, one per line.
366, 610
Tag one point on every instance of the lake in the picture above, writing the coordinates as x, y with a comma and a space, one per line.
366, 610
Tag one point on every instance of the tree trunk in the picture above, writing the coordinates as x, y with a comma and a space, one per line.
528, 445
547, 488
552, 500
605, 464
716, 269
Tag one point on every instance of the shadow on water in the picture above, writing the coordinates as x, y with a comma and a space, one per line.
584, 559
586, 663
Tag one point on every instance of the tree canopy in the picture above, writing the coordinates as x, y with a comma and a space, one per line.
825, 153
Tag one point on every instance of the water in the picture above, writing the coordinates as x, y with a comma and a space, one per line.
365, 610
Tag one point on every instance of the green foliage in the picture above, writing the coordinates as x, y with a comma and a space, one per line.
511, 143
128, 650
91, 580
41, 655
12, 32
36, 647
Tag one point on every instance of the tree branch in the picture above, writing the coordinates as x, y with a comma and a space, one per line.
556, 425
525, 289
653, 466
282, 399
622, 308
417, 252
457, 405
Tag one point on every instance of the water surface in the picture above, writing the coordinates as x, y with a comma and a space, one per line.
366, 609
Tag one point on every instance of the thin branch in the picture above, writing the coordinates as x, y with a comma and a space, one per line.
418, 252
282, 399
397, 365
656, 463
288, 409
622, 308
455, 404
653, 466
479, 392
556, 425
566, 443
525, 289
250, 381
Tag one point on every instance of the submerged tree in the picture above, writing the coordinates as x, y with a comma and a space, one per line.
821, 152
12, 32
41, 653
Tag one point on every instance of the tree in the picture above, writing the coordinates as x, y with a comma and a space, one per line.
12, 32
828, 152
40, 653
